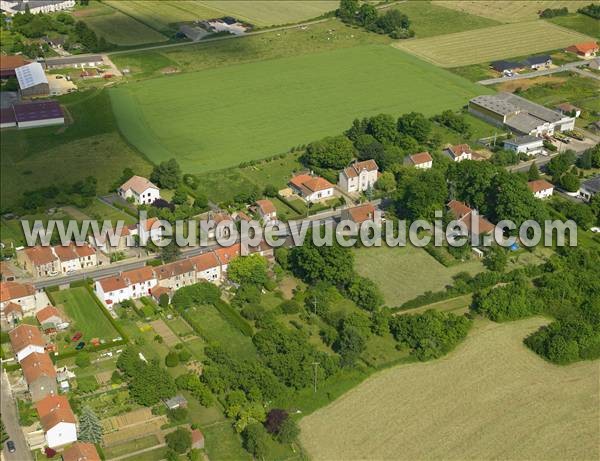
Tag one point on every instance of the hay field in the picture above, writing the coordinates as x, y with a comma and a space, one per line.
220, 117
491, 398
510, 10
491, 43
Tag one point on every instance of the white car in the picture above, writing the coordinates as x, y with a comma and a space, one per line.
595, 230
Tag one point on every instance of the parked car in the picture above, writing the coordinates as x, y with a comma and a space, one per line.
596, 230
11, 446
77, 336
80, 346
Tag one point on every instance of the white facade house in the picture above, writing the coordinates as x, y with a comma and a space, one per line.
421, 160
58, 421
530, 145
459, 152
149, 230
21, 294
266, 210
312, 188
359, 177
132, 284
140, 190
26, 340
35, 6
541, 188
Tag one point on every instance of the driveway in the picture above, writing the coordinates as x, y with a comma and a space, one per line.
11, 423
538, 73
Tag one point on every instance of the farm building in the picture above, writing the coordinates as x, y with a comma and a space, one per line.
58, 421
541, 188
35, 6
422, 160
39, 374
530, 145
9, 64
359, 177
38, 113
90, 60
585, 50
311, 188
589, 188
140, 190
81, 451
519, 114
459, 152
32, 80
25, 340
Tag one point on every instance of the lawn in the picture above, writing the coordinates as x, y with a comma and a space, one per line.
428, 19
223, 444
100, 210
117, 27
579, 22
491, 43
292, 94
131, 446
510, 10
81, 308
11, 230
91, 145
403, 273
480, 402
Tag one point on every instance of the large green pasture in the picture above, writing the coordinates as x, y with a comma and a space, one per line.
220, 117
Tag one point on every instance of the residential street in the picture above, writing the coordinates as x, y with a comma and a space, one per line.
570, 66
11, 422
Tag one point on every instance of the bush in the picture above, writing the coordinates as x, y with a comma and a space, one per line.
179, 440
290, 307
172, 359
83, 360
178, 415
184, 356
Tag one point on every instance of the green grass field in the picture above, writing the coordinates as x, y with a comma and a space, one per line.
580, 23
90, 145
117, 27
428, 19
100, 210
404, 273
219, 118
491, 43
86, 315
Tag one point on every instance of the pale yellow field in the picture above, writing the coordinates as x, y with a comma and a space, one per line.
491, 43
510, 11
491, 398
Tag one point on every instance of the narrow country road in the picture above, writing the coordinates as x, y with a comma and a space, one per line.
574, 66
11, 423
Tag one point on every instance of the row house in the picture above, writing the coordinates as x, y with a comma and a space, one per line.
177, 274
50, 261
40, 375
131, 284
25, 340
58, 421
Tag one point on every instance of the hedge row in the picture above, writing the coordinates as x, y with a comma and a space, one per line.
440, 255
290, 204
234, 318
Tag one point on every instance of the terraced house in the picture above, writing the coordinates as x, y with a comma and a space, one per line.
43, 261
40, 375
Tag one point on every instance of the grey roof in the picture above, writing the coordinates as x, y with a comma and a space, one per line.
538, 59
501, 66
523, 140
175, 401
21, 5
493, 103
523, 122
508, 103
74, 59
532, 108
592, 185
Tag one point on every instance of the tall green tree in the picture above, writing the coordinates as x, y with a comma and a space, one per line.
248, 269
90, 427
533, 173
416, 125
167, 174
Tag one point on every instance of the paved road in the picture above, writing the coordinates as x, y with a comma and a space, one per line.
538, 73
11, 422
577, 146
588, 73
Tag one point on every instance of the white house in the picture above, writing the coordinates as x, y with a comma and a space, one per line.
21, 294
177, 274
530, 145
421, 160
140, 189
58, 421
359, 176
541, 188
226, 254
35, 6
132, 284
149, 230
266, 210
459, 152
25, 340
207, 267
311, 188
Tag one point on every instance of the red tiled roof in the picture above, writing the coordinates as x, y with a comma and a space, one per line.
226, 254
138, 184
81, 451
420, 158
354, 170
205, 261
48, 312
309, 184
362, 213
65, 253
266, 206
458, 149
131, 277
25, 335
13, 307
175, 268
197, 437
459, 209
39, 255
86, 250
539, 185
584, 47
54, 409
15, 290
36, 365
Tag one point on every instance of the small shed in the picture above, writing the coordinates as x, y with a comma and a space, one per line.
176, 402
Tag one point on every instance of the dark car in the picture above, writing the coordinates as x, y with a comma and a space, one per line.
11, 446
80, 346
77, 336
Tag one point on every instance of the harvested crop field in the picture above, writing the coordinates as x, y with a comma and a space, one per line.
510, 10
492, 398
492, 43
218, 118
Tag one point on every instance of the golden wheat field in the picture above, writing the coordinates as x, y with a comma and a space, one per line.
492, 398
509, 10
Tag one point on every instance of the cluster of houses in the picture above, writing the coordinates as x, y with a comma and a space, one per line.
35, 6
48, 261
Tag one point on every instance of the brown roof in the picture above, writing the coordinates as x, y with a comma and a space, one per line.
459, 149
81, 451
243, 216
317, 184
48, 312
36, 365
197, 437
175, 268
459, 209
299, 180
583, 47
65, 253
362, 213
13, 307
420, 158
87, 250
226, 254
11, 62
266, 206
205, 261
354, 170
5, 270
40, 255
127, 278
567, 107
158, 291
54, 409
539, 185
461, 212
138, 184
149, 223
25, 335
15, 290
